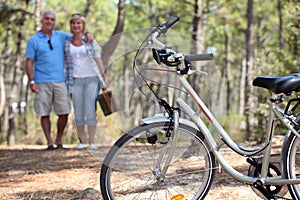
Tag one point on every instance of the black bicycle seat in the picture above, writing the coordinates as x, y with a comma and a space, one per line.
279, 84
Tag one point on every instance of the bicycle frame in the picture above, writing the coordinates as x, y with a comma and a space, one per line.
275, 113
174, 155
226, 138
199, 124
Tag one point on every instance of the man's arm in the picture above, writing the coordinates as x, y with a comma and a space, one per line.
29, 71
89, 37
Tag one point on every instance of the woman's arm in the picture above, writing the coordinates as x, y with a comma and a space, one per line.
101, 69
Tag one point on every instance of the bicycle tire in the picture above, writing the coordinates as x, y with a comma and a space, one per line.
291, 162
127, 170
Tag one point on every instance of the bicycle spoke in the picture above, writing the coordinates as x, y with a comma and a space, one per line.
134, 171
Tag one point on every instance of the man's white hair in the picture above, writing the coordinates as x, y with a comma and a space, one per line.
49, 11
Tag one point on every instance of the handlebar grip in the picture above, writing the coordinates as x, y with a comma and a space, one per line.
165, 26
171, 21
200, 57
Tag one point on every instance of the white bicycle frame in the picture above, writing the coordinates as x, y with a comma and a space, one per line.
200, 125
275, 113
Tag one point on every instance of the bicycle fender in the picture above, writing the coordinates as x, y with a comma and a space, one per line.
154, 119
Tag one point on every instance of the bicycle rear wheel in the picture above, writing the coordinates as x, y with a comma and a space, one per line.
130, 169
291, 163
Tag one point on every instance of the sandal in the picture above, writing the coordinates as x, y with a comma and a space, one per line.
50, 147
59, 146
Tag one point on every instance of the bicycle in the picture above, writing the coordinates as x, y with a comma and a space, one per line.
175, 158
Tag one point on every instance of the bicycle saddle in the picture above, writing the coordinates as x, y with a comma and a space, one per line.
279, 84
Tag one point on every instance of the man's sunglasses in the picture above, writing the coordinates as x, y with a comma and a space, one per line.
50, 44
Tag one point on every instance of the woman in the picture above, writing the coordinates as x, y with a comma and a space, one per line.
85, 76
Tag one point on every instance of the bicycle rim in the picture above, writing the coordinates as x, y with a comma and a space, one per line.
129, 170
292, 164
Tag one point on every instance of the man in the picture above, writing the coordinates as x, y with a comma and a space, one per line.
45, 71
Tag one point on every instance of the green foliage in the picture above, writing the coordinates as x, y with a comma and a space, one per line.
270, 57
234, 125
101, 18
2, 139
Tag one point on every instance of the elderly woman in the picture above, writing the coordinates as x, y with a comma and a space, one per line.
85, 76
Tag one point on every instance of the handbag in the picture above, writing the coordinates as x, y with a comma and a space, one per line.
107, 102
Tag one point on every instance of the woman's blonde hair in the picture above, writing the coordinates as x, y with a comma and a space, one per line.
78, 16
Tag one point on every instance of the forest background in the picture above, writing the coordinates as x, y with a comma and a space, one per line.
248, 38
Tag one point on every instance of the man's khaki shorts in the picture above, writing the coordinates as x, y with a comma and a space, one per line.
52, 94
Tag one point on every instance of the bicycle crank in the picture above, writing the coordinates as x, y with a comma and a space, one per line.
266, 191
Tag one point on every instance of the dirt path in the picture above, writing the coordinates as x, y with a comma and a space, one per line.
30, 172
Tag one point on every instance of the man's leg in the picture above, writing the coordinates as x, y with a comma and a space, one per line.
62, 109
46, 125
61, 124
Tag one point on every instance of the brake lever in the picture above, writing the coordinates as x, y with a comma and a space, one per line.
191, 71
188, 68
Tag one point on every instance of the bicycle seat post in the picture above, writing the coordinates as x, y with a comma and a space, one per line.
269, 135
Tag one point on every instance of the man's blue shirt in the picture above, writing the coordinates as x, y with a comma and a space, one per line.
48, 64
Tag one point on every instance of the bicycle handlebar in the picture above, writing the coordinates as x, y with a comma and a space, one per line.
170, 57
199, 57
165, 26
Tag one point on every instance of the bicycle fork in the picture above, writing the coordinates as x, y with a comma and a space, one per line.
161, 168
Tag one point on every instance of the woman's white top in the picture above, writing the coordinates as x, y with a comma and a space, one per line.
83, 64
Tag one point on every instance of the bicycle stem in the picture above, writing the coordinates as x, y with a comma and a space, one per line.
156, 41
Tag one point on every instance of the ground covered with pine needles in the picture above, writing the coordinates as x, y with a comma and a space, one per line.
31, 172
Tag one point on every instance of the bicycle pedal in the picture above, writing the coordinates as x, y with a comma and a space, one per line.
252, 161
258, 185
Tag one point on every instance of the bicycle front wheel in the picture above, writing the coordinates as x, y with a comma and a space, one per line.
134, 166
291, 163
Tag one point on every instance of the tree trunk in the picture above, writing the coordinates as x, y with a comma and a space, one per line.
4, 69
281, 40
87, 8
11, 136
110, 46
242, 88
37, 14
197, 43
126, 93
2, 95
227, 71
153, 17
198, 29
15, 88
251, 97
